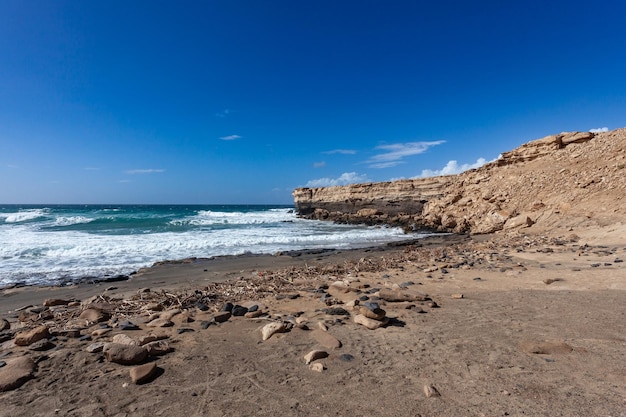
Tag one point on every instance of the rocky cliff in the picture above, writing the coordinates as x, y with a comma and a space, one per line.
559, 181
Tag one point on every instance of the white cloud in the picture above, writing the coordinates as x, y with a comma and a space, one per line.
223, 113
340, 151
344, 179
144, 171
395, 153
231, 137
320, 164
599, 130
452, 167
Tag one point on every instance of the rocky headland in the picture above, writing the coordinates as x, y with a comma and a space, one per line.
559, 181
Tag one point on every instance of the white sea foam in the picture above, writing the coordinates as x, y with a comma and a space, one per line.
23, 215
68, 221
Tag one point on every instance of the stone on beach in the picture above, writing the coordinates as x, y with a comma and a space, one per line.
94, 315
315, 355
16, 372
399, 295
125, 340
27, 337
95, 347
4, 325
157, 348
143, 373
430, 391
317, 367
160, 322
125, 354
221, 317
50, 302
269, 329
369, 323
325, 339
376, 314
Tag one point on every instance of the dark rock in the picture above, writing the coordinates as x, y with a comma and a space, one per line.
127, 325
221, 317
2, 363
41, 345
184, 330
205, 324
371, 305
346, 357
336, 311
364, 298
201, 306
253, 308
239, 311
125, 354
85, 338
228, 307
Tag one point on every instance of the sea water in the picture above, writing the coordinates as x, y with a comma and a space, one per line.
53, 244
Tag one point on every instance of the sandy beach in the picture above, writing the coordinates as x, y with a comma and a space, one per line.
514, 324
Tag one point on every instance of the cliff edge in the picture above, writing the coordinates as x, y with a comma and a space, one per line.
558, 182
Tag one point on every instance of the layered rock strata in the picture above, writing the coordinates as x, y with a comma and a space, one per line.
579, 174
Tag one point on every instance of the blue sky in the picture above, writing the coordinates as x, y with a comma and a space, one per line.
215, 102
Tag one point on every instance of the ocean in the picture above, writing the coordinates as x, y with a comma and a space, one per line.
60, 244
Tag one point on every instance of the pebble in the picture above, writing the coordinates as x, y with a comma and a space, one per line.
336, 311
269, 329
128, 325
253, 308
371, 305
160, 322
100, 332
31, 336
201, 306
369, 323
253, 314
205, 324
221, 317
143, 373
239, 311
2, 363
151, 337
397, 296
346, 357
317, 367
184, 330
95, 347
16, 372
49, 302
457, 296
4, 325
41, 345
125, 340
94, 316
228, 307
430, 391
158, 348
84, 338
376, 314
315, 355
322, 326
125, 354
325, 339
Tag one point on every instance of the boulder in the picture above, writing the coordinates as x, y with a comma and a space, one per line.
125, 354
31, 336
16, 372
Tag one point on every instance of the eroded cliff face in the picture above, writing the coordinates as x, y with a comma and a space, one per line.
559, 181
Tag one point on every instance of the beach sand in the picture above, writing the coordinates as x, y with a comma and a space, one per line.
497, 325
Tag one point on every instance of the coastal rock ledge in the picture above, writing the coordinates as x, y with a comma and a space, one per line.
565, 180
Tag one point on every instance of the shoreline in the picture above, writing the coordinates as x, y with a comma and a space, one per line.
198, 271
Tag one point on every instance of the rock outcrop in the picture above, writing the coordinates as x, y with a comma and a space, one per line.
580, 174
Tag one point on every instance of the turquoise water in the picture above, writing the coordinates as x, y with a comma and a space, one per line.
51, 244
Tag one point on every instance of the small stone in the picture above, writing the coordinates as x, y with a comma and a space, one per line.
315, 355
49, 302
317, 367
4, 325
549, 281
125, 340
398, 296
95, 347
228, 307
31, 336
143, 373
2, 363
369, 323
457, 296
84, 338
253, 308
127, 325
239, 311
325, 339
16, 372
100, 332
346, 357
94, 316
376, 314
269, 329
151, 337
160, 322
336, 311
184, 330
205, 324
253, 314
41, 345
222, 316
430, 391
371, 305
125, 354
322, 326
158, 348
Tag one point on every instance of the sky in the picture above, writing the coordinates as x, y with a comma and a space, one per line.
240, 102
